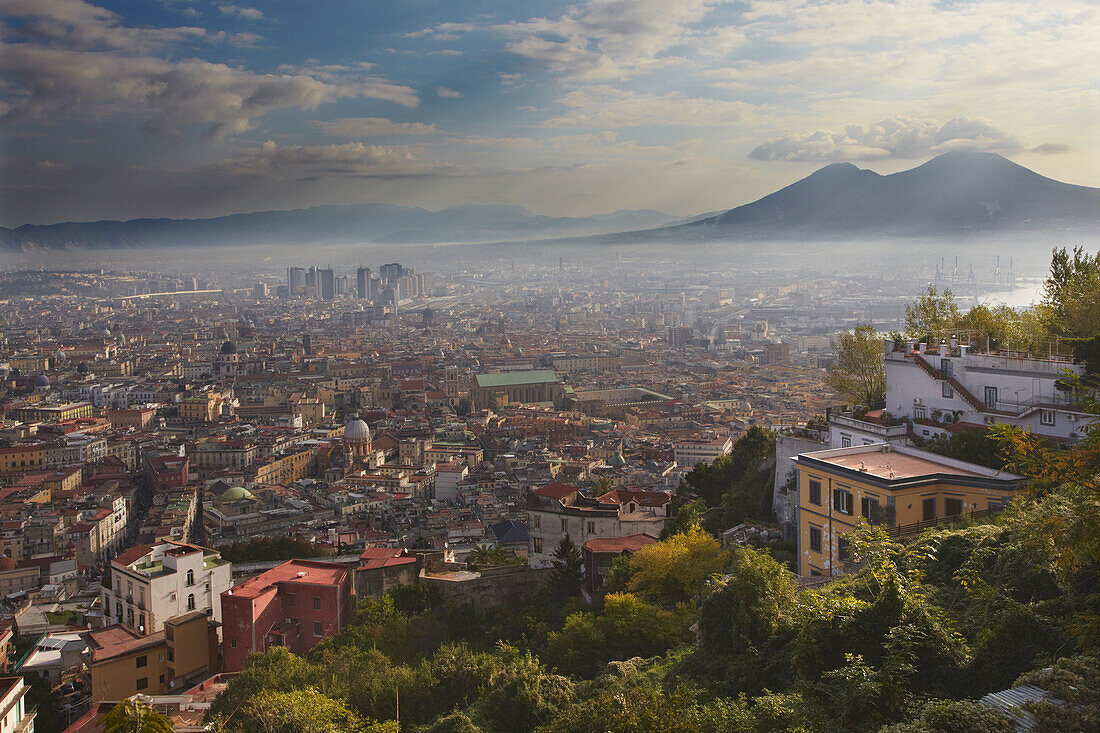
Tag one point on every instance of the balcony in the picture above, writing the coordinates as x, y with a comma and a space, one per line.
870, 426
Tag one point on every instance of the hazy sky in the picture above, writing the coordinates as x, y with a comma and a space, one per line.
194, 108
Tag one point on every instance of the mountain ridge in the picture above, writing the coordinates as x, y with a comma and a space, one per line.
955, 193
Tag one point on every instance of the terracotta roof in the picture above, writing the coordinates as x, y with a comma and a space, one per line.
384, 557
132, 555
631, 543
556, 491
292, 571
642, 498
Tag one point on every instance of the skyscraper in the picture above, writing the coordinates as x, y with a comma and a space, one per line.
362, 277
326, 284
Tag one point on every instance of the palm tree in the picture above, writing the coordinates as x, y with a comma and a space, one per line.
487, 555
133, 716
604, 484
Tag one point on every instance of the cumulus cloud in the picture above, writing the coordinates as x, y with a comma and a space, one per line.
372, 127
447, 93
77, 61
348, 160
896, 137
241, 11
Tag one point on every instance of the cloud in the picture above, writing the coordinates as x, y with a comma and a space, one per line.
606, 107
371, 127
896, 137
447, 93
169, 95
77, 24
348, 160
241, 11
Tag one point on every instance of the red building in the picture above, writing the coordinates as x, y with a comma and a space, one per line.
165, 469
294, 605
599, 553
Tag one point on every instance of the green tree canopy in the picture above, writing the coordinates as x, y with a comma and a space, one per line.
133, 716
859, 366
932, 315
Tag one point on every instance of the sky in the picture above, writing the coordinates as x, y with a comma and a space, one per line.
189, 108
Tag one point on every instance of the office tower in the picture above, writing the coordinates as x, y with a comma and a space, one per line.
391, 272
362, 281
295, 280
326, 284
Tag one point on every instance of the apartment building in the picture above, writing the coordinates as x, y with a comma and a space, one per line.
558, 510
149, 585
898, 486
294, 605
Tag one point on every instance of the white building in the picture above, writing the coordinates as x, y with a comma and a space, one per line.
149, 585
447, 478
687, 453
560, 510
937, 388
17, 718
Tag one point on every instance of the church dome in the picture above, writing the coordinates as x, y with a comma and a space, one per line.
356, 431
229, 348
6, 564
42, 381
235, 493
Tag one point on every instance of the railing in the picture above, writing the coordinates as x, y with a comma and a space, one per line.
908, 530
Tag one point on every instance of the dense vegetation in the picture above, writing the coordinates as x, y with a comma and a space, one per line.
263, 549
693, 637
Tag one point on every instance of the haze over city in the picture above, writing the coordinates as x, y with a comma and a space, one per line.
612, 366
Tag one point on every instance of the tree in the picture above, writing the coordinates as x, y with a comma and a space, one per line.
677, 569
304, 711
1071, 295
974, 445
626, 627
932, 315
487, 555
132, 716
859, 367
568, 568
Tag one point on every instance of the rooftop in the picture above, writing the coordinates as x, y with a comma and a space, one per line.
295, 571
509, 379
900, 463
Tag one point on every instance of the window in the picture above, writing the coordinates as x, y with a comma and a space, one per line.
141, 621
952, 507
538, 544
316, 603
171, 654
233, 643
536, 521
842, 501
291, 599
118, 610
842, 551
190, 577
160, 657
869, 508
1046, 417
162, 679
318, 629
565, 526
845, 441
991, 397
191, 602
919, 413
947, 391
928, 509
815, 491
815, 539
591, 528
142, 661
142, 683
130, 617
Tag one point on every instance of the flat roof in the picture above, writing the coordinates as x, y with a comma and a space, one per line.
509, 379
888, 462
293, 571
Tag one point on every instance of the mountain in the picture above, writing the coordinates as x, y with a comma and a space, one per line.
954, 193
355, 223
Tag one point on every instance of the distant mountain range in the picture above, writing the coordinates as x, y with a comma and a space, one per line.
952, 194
356, 223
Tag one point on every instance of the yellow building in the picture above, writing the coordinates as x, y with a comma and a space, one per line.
284, 469
20, 457
205, 407
905, 488
56, 413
